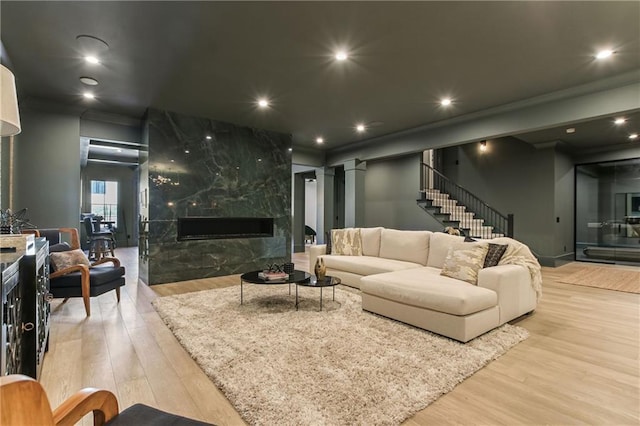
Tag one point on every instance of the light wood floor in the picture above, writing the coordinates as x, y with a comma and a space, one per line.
580, 365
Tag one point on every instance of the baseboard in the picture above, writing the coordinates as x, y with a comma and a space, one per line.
555, 261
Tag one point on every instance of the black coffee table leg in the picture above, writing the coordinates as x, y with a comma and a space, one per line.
320, 299
296, 297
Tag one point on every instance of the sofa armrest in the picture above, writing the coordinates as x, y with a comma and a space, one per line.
512, 283
314, 252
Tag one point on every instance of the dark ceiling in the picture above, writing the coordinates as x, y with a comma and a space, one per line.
214, 59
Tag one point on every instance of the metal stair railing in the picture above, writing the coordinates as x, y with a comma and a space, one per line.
431, 179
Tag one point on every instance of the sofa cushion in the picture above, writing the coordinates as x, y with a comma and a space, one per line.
371, 241
366, 265
464, 260
410, 246
426, 288
346, 242
439, 245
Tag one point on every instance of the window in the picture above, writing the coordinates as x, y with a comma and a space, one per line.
104, 200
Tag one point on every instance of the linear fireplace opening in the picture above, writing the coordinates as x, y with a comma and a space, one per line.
207, 228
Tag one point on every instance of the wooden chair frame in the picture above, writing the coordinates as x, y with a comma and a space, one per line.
23, 401
85, 279
83, 269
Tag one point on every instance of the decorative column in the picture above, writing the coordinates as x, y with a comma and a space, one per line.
325, 179
298, 213
354, 174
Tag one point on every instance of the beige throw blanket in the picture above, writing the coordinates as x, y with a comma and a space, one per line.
519, 254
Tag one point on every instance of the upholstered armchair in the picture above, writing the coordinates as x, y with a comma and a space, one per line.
23, 401
71, 273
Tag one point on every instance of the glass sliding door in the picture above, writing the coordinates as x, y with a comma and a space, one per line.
608, 211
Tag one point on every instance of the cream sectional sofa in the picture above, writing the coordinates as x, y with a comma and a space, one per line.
399, 275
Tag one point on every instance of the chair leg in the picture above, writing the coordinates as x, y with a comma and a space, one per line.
118, 294
87, 304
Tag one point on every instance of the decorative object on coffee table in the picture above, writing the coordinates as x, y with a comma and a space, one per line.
288, 267
320, 269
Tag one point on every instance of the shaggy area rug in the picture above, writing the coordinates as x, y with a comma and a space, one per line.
341, 366
618, 279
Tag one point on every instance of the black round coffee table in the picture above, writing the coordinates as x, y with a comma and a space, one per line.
297, 277
328, 281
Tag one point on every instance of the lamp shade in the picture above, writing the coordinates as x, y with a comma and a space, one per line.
9, 115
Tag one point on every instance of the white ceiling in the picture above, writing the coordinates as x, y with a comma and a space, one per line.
213, 59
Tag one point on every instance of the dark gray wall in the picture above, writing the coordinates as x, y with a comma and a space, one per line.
564, 205
514, 177
47, 168
391, 191
128, 130
5, 156
127, 178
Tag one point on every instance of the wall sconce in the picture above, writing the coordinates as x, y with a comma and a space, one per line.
483, 146
9, 115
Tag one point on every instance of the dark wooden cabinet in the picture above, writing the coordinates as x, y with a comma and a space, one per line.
11, 309
34, 281
26, 311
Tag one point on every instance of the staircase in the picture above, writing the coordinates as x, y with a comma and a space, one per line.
452, 205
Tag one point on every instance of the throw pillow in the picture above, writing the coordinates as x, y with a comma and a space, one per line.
494, 254
464, 260
327, 241
346, 242
65, 259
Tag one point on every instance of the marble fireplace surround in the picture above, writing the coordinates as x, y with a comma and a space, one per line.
203, 168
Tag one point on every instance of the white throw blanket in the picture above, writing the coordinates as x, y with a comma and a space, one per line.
519, 254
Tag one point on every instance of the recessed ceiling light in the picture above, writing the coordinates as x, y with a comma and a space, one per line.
620, 120
89, 81
263, 103
290, 149
445, 102
571, 130
603, 54
88, 95
92, 60
259, 159
186, 151
319, 140
341, 55
633, 136
360, 127
208, 137
170, 203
